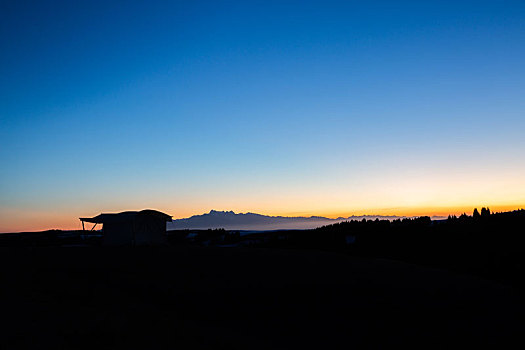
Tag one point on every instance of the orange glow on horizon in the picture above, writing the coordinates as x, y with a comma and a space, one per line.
411, 212
39, 221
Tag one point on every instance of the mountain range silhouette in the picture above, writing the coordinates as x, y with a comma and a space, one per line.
230, 220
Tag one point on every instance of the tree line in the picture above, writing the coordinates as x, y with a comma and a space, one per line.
490, 245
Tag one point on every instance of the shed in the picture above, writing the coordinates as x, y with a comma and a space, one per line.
130, 228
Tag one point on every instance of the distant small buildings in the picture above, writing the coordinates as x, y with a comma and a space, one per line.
132, 228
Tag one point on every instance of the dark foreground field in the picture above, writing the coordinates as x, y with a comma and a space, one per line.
97, 298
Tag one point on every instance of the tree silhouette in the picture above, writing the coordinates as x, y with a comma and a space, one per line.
476, 215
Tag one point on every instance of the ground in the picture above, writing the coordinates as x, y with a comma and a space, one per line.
243, 298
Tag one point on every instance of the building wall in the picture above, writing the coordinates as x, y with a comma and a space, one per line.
150, 231
142, 230
118, 234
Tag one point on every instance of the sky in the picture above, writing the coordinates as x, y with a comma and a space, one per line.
275, 107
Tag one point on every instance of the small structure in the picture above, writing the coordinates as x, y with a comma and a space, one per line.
131, 228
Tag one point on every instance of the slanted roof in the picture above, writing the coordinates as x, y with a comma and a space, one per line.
125, 216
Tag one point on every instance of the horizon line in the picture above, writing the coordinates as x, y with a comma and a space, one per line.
443, 213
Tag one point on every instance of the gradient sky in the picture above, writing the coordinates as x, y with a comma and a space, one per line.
277, 107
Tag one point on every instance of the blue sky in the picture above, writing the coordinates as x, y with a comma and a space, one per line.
277, 107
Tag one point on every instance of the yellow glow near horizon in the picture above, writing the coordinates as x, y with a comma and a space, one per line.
397, 193
20, 221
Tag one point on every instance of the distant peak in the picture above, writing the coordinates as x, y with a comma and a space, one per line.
221, 212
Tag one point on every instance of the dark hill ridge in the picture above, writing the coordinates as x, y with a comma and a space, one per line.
230, 220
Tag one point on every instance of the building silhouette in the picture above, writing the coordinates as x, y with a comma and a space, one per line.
131, 228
